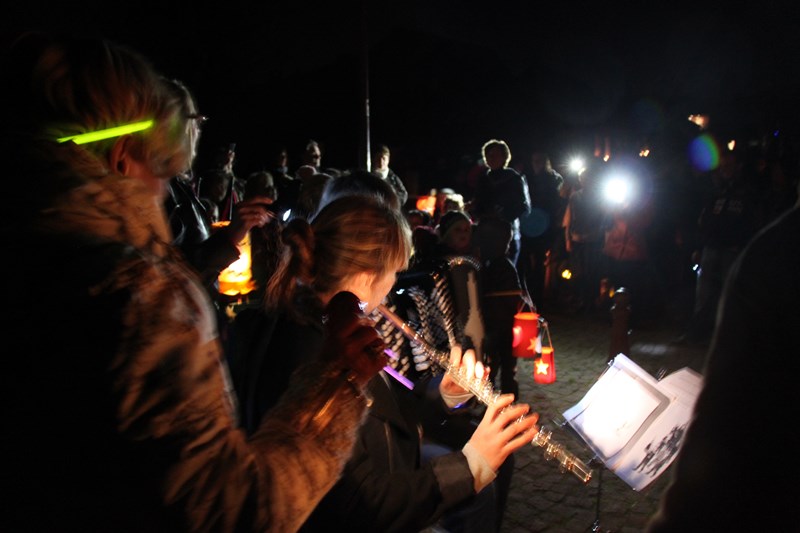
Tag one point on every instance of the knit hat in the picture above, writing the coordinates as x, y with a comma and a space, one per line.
449, 219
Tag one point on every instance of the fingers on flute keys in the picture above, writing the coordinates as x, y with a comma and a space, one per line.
518, 423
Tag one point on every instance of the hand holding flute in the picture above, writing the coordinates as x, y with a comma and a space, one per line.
351, 341
501, 410
504, 428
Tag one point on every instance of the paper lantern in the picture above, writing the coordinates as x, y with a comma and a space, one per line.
237, 278
526, 333
544, 366
427, 204
544, 361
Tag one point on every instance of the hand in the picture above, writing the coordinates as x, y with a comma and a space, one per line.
465, 364
352, 340
503, 430
248, 214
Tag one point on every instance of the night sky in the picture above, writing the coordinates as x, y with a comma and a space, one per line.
443, 77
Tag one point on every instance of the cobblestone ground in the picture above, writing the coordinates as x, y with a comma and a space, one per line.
543, 499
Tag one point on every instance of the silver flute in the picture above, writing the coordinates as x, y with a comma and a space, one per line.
483, 391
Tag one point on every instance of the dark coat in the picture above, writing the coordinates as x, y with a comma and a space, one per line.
384, 486
395, 181
118, 403
502, 192
736, 469
207, 251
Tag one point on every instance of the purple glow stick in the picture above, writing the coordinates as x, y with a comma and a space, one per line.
407, 383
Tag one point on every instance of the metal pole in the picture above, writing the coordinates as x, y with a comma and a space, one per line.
365, 147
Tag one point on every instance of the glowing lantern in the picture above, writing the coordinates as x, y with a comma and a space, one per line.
544, 366
427, 204
237, 278
544, 362
526, 333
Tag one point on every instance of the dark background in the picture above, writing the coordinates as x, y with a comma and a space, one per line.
445, 76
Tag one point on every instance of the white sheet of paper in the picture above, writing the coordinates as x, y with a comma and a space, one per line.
633, 422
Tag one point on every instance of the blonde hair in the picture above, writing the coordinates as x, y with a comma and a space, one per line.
74, 86
496, 143
350, 235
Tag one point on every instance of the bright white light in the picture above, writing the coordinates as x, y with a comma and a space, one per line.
576, 165
731, 145
617, 190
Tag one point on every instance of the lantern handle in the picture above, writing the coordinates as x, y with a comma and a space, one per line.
526, 301
544, 326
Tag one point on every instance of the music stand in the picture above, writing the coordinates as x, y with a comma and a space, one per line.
633, 422
595, 463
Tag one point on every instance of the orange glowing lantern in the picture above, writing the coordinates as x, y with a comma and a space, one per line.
427, 204
544, 367
526, 334
544, 364
237, 278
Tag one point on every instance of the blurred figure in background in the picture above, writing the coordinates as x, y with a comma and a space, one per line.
312, 155
455, 234
501, 191
540, 227
209, 250
219, 182
726, 223
584, 234
380, 165
720, 481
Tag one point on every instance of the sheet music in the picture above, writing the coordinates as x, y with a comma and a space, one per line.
634, 423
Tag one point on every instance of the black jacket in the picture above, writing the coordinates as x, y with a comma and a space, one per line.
736, 470
207, 251
384, 486
502, 192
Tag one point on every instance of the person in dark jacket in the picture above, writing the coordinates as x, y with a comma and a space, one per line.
735, 470
540, 227
207, 249
501, 191
380, 166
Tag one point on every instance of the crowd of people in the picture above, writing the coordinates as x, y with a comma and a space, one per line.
668, 244
284, 418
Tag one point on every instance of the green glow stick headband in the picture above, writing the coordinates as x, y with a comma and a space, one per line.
108, 133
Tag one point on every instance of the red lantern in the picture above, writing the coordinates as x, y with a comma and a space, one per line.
544, 364
526, 333
544, 367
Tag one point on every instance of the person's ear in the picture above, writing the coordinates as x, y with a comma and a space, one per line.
119, 158
361, 284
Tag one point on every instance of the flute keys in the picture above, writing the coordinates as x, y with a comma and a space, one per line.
542, 437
